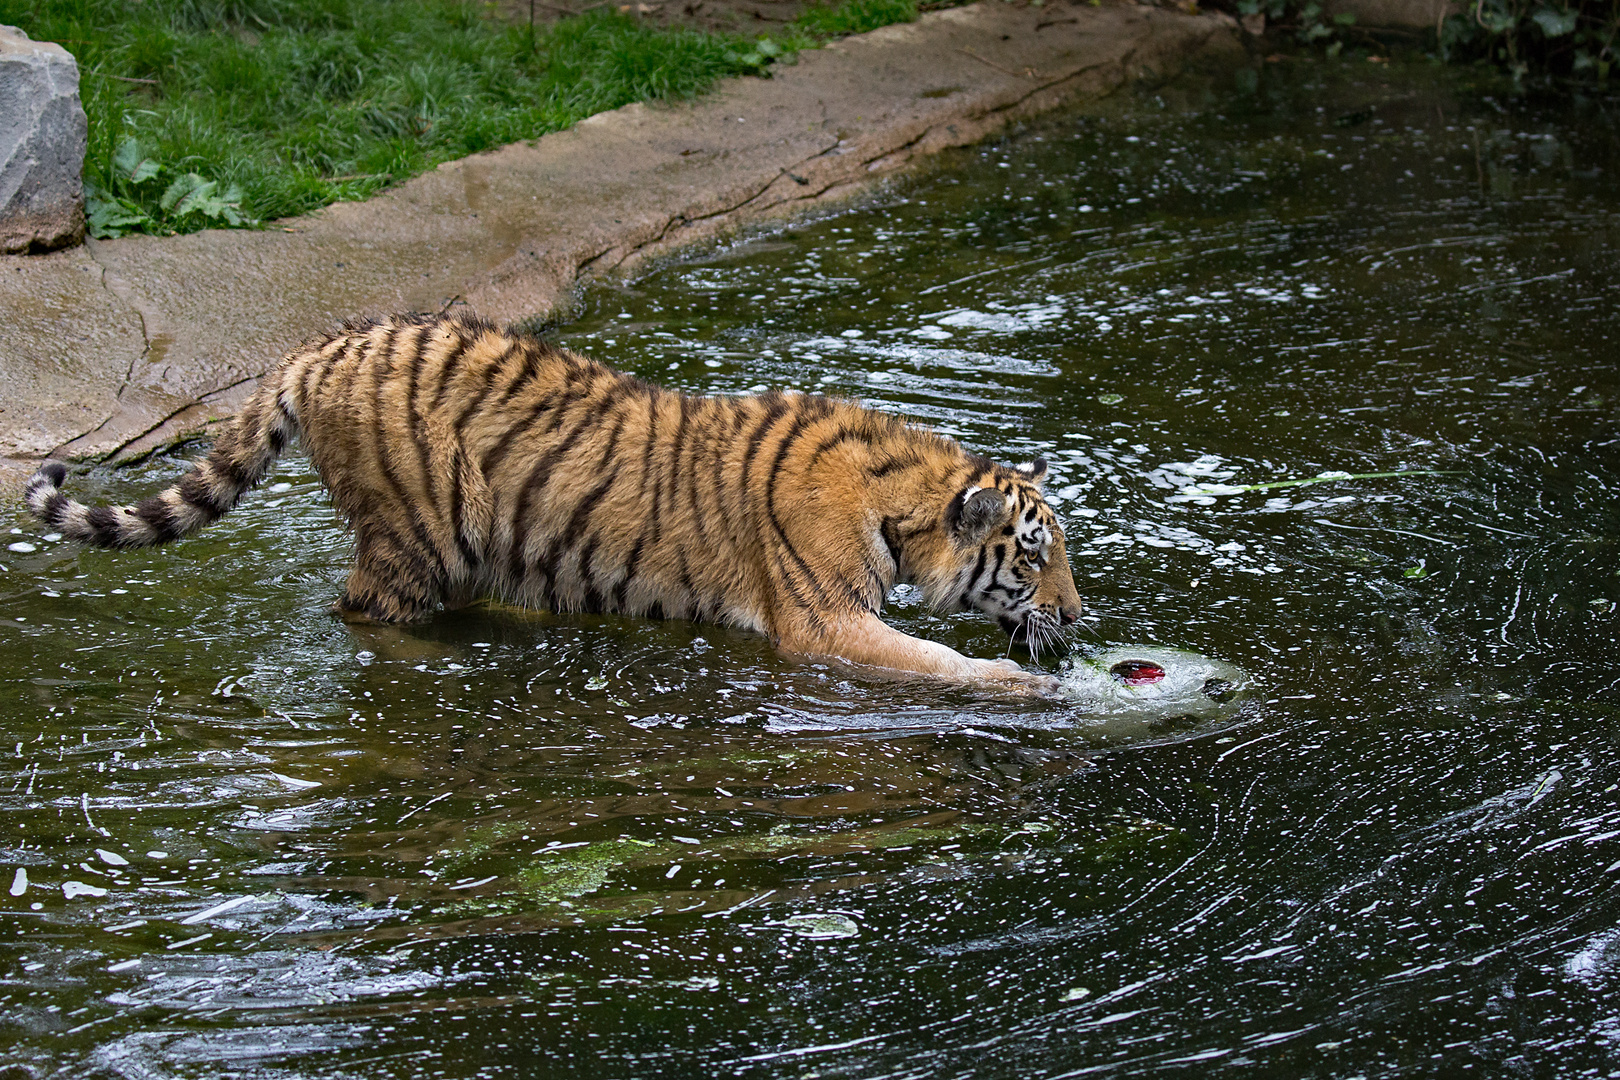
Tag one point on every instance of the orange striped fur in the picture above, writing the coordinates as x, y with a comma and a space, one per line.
473, 462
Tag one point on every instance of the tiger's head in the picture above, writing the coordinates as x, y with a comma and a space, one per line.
1009, 558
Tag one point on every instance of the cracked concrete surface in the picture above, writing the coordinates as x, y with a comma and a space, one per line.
123, 346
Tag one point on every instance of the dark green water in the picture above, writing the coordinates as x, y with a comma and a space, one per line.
513, 844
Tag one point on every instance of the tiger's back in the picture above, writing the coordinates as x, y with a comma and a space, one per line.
469, 461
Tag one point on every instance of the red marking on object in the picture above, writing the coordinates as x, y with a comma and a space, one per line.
1137, 672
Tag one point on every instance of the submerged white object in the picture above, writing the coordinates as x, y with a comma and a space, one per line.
1151, 682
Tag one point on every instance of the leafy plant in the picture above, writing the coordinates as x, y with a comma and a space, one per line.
126, 204
1543, 36
757, 59
1553, 37
238, 111
1307, 18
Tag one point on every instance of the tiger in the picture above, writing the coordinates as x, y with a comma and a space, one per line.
471, 462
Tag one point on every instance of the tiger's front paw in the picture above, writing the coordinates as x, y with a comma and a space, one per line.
1029, 683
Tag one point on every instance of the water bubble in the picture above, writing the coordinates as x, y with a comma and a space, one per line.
823, 925
73, 889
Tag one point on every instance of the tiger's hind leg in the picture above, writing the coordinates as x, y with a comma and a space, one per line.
391, 582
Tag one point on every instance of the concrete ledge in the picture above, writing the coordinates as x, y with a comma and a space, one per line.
126, 345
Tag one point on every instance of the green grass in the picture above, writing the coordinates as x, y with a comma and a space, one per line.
233, 112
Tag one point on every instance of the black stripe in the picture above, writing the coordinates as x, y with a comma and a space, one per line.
458, 526
199, 492
103, 522
699, 519
452, 364
592, 604
646, 466
582, 512
953, 512
538, 479
729, 495
844, 434
223, 462
967, 590
312, 378
612, 450
528, 371
157, 514
674, 474
995, 575
808, 609
473, 406
417, 419
413, 513
651, 435
555, 401
891, 540
577, 521
879, 471
629, 570
428, 578
774, 411
558, 403
55, 509
800, 422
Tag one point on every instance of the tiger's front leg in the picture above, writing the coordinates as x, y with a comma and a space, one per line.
867, 640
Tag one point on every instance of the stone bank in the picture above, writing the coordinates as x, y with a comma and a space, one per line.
122, 346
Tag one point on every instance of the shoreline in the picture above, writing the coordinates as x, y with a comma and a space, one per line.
122, 347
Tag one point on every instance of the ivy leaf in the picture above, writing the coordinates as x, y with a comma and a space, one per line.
1496, 20
1554, 23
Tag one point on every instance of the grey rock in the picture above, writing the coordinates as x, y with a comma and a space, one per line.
42, 140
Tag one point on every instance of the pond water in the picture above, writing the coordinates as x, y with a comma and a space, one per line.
242, 839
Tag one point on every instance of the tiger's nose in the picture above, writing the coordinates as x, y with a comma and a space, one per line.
1068, 616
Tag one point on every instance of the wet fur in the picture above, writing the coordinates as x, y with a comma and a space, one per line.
470, 462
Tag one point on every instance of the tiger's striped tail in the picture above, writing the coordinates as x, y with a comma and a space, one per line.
240, 459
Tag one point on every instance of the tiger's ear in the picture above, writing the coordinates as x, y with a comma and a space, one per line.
972, 517
1034, 470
